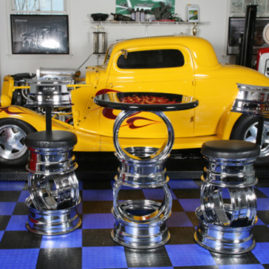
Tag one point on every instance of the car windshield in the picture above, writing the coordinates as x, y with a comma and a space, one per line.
151, 59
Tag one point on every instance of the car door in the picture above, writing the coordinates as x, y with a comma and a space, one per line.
141, 77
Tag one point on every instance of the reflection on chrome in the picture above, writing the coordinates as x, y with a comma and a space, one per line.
252, 99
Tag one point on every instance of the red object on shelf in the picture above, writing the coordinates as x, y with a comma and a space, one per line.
263, 61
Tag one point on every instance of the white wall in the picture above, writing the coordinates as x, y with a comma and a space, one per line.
214, 18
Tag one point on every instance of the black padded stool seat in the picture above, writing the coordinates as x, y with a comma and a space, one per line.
55, 139
230, 149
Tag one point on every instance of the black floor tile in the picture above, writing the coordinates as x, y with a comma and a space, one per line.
187, 193
132, 194
97, 237
21, 209
263, 182
147, 258
261, 233
96, 184
4, 222
223, 259
20, 240
91, 207
60, 258
181, 235
264, 216
9, 196
176, 206
196, 267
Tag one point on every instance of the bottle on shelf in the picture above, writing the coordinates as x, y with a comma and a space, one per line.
142, 15
137, 15
133, 14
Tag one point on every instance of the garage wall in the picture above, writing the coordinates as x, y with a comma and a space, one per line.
214, 21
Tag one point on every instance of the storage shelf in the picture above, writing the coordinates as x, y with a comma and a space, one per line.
145, 23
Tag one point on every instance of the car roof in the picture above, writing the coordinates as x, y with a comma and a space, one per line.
202, 51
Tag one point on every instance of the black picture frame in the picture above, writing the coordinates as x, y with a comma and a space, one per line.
237, 26
39, 34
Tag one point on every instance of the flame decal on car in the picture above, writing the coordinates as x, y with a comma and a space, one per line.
6, 110
108, 113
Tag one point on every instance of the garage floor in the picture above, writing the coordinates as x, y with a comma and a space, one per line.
91, 246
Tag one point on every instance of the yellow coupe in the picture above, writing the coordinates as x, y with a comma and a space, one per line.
171, 64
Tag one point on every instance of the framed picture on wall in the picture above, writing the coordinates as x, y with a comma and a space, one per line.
236, 29
39, 34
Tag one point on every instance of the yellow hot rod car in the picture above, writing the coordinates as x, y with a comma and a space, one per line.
171, 64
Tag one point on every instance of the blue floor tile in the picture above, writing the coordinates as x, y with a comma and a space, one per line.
12, 185
241, 266
97, 195
189, 255
7, 208
261, 252
179, 219
98, 221
103, 257
189, 204
18, 258
17, 223
183, 184
70, 240
154, 194
263, 203
265, 191
24, 194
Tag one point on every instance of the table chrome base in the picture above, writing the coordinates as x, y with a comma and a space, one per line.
143, 227
223, 239
52, 222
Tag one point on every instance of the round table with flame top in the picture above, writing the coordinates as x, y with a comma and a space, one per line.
141, 224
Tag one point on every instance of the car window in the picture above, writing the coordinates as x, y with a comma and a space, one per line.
151, 59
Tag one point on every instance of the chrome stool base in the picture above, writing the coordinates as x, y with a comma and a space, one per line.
144, 230
52, 183
52, 222
228, 208
224, 239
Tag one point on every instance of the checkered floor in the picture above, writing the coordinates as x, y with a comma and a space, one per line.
91, 246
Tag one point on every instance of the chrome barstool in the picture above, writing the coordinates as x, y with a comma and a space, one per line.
141, 224
52, 182
228, 201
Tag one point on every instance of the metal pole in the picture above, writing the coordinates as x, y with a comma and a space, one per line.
48, 119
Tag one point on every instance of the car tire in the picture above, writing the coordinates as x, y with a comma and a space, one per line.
13, 151
246, 129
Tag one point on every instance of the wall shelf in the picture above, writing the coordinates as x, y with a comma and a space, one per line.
194, 25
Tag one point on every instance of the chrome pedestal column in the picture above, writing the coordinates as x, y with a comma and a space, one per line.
141, 224
53, 185
228, 201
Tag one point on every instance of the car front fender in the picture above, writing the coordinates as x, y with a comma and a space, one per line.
33, 118
87, 140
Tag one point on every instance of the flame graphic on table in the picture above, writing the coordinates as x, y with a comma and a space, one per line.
108, 113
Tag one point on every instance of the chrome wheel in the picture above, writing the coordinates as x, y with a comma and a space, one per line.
251, 134
11, 142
